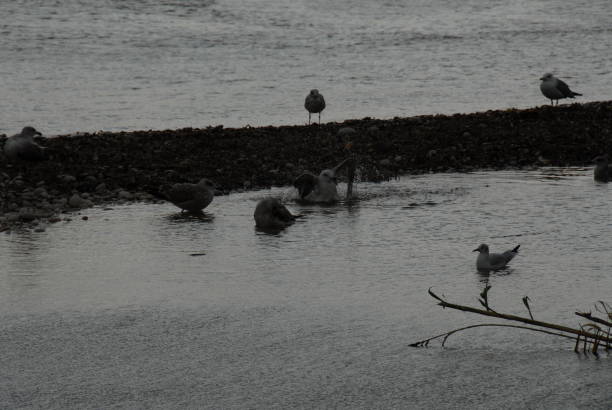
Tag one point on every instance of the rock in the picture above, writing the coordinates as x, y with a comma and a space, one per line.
67, 179
125, 195
346, 132
12, 216
76, 201
41, 192
385, 162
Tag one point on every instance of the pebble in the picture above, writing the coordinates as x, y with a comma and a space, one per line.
76, 201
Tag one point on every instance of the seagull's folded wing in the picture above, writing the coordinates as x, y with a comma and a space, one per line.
305, 184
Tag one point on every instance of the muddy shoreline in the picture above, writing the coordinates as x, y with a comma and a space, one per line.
102, 168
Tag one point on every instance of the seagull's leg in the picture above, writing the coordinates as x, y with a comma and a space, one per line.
319, 117
308, 117
552, 102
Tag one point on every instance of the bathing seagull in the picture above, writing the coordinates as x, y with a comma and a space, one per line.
315, 103
602, 171
191, 197
22, 146
322, 188
555, 89
492, 261
271, 214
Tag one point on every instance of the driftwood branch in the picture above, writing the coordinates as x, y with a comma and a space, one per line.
425, 342
589, 334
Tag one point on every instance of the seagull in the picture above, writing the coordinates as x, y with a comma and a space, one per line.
492, 261
602, 171
555, 89
271, 214
322, 188
315, 103
191, 197
22, 146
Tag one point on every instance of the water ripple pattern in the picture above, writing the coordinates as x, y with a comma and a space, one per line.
70, 66
142, 307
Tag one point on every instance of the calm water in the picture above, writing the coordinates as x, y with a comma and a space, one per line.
138, 307
88, 65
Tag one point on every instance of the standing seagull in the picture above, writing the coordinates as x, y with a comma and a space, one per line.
322, 188
492, 261
602, 171
22, 146
191, 197
271, 214
555, 89
315, 103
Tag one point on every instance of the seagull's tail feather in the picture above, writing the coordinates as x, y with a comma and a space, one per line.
575, 94
515, 250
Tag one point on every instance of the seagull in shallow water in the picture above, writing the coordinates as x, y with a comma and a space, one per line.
271, 214
191, 197
322, 188
602, 171
315, 103
555, 89
492, 261
22, 146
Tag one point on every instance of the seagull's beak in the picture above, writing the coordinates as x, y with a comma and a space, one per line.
476, 250
38, 133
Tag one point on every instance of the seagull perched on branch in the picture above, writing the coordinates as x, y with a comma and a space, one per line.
555, 89
492, 261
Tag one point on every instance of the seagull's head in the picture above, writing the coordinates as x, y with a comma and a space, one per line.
207, 183
314, 93
329, 176
547, 76
29, 132
483, 248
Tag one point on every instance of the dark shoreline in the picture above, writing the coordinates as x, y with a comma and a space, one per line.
106, 167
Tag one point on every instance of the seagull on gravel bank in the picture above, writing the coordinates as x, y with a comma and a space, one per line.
191, 197
555, 89
602, 171
315, 103
492, 261
22, 146
271, 214
322, 188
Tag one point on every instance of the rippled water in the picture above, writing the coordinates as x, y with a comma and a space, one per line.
85, 65
138, 307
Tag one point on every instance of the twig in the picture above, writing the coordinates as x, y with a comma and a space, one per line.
532, 322
425, 342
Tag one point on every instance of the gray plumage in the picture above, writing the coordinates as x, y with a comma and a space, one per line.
602, 171
22, 146
492, 261
555, 89
271, 214
192, 198
315, 103
322, 188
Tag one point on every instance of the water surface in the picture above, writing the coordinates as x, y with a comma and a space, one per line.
88, 65
138, 307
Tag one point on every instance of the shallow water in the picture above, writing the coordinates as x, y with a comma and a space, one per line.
88, 65
139, 307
